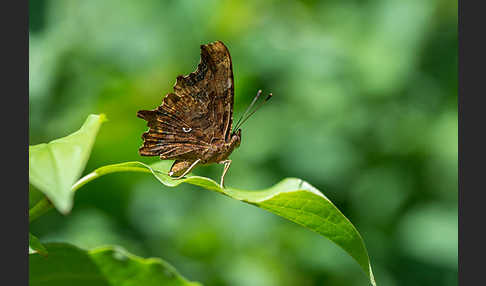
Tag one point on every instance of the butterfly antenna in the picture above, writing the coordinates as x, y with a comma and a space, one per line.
254, 110
247, 109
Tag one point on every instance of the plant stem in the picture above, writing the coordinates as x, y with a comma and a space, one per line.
40, 208
44, 205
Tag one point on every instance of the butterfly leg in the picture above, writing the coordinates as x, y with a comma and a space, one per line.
187, 171
227, 164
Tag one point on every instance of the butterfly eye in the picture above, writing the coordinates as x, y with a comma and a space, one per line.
186, 129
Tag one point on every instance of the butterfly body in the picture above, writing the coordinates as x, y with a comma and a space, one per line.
216, 153
193, 124
220, 150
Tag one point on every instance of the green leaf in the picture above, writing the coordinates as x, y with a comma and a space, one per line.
55, 166
125, 269
109, 266
35, 246
65, 265
292, 198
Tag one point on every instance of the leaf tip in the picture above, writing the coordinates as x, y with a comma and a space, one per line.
103, 118
64, 206
372, 277
42, 252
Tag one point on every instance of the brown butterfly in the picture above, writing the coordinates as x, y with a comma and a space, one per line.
193, 125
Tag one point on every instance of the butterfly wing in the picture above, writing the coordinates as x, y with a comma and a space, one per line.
197, 113
167, 136
212, 85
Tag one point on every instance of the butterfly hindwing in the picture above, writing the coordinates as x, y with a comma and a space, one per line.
166, 137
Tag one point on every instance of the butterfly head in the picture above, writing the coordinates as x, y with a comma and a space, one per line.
236, 138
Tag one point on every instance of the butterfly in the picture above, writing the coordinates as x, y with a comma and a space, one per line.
194, 124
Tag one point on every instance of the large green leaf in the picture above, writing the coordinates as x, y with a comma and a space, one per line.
65, 265
292, 198
55, 166
124, 269
35, 246
109, 266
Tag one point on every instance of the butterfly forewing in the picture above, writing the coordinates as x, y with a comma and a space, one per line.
197, 113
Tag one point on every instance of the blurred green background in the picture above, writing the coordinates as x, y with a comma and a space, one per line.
364, 108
